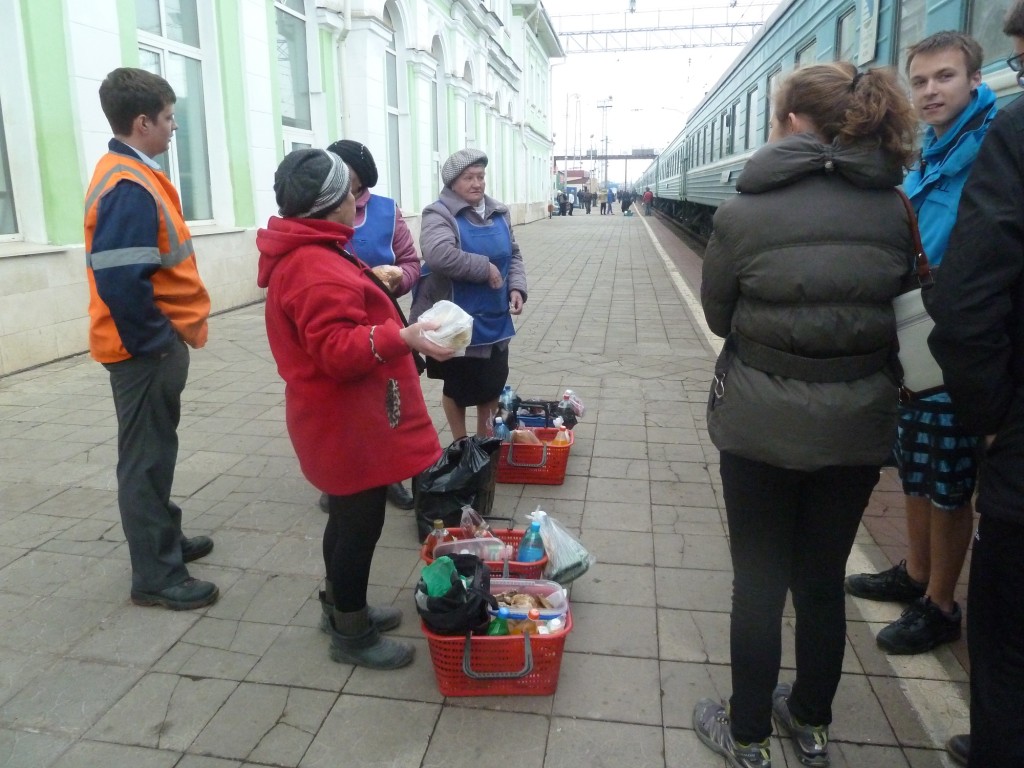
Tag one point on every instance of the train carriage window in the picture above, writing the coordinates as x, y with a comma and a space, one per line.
723, 130
846, 36
711, 141
986, 26
913, 16
806, 55
730, 142
750, 140
769, 106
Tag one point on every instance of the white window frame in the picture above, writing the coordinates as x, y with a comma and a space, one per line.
291, 136
19, 121
162, 46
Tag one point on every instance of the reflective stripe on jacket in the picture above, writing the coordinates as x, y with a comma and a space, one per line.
177, 289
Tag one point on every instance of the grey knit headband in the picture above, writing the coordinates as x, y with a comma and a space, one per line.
333, 189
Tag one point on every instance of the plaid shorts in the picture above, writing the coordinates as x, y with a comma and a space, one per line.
936, 458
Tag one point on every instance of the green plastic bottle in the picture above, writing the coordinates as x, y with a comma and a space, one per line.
499, 623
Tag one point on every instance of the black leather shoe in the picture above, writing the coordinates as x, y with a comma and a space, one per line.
400, 497
324, 503
190, 594
196, 547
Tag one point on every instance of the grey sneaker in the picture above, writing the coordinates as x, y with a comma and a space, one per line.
811, 740
893, 585
711, 722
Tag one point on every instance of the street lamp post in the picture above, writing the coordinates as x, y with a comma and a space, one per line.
604, 105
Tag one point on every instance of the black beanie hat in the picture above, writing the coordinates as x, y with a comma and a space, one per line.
310, 181
358, 158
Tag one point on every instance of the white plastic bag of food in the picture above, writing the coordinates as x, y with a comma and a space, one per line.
456, 329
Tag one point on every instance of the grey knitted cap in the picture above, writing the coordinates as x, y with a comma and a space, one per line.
310, 181
459, 162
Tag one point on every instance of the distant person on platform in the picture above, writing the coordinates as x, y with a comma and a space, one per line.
383, 242
626, 200
611, 202
648, 199
471, 258
147, 306
563, 200
571, 204
604, 204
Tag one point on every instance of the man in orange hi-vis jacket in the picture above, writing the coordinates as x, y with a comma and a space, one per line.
147, 305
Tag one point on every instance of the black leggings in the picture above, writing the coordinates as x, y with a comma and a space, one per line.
353, 527
788, 531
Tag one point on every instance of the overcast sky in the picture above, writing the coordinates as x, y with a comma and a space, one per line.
652, 92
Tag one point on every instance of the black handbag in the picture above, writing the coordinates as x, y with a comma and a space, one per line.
464, 608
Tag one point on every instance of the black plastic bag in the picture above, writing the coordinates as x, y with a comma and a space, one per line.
463, 475
464, 608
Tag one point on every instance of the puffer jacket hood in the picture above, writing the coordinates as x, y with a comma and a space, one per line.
282, 236
783, 162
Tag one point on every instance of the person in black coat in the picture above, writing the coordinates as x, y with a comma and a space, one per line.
978, 340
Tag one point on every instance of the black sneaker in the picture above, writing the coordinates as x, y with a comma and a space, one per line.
922, 627
959, 748
891, 586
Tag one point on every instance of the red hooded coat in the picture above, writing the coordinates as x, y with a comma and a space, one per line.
356, 422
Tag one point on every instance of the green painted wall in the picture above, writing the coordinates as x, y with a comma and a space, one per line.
328, 77
232, 76
46, 48
127, 23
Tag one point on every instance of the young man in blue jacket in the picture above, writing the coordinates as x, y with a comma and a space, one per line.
978, 341
937, 458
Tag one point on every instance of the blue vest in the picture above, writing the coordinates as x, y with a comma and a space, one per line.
492, 321
373, 239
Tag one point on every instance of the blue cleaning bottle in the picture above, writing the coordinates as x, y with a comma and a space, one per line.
531, 548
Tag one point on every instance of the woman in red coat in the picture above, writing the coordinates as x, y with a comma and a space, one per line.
352, 389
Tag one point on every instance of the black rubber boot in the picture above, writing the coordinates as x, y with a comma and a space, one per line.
383, 617
354, 640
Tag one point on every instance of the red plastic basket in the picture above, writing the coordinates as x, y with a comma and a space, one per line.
508, 665
534, 464
517, 569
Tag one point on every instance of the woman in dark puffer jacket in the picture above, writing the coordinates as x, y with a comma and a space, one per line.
800, 275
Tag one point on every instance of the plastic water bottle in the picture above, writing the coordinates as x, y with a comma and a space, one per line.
565, 410
562, 438
577, 404
500, 430
531, 548
439, 535
507, 399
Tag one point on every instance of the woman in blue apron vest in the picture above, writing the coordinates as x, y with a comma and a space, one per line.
472, 259
382, 240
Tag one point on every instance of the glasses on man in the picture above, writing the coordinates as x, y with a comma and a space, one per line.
1016, 63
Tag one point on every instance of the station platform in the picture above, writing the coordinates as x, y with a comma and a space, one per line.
87, 679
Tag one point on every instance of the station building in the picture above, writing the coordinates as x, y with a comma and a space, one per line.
414, 80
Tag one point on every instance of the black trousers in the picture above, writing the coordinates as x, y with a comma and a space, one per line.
353, 527
995, 629
788, 531
147, 399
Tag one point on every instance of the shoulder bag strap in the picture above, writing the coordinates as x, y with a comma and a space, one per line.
921, 266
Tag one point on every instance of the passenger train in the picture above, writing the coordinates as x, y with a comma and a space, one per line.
698, 169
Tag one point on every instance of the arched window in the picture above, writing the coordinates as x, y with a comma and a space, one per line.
292, 61
438, 100
470, 126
